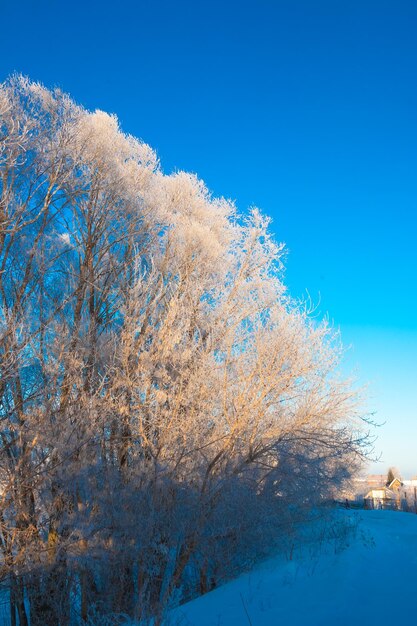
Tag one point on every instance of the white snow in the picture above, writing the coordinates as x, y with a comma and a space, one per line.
366, 577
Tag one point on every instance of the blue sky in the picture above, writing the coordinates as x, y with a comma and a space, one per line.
306, 109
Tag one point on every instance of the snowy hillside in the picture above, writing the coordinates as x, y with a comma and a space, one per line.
369, 577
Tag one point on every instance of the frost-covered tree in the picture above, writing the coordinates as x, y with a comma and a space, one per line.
390, 476
166, 409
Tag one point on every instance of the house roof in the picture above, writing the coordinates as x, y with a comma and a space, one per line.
395, 480
410, 483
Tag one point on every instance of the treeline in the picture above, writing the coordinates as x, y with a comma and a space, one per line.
165, 408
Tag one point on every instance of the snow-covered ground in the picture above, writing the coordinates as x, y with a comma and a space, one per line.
365, 577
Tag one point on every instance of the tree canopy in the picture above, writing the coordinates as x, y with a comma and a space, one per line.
166, 408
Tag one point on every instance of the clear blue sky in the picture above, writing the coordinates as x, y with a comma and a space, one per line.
306, 109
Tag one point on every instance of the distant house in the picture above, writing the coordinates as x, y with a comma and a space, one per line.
398, 494
381, 498
374, 480
374, 492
